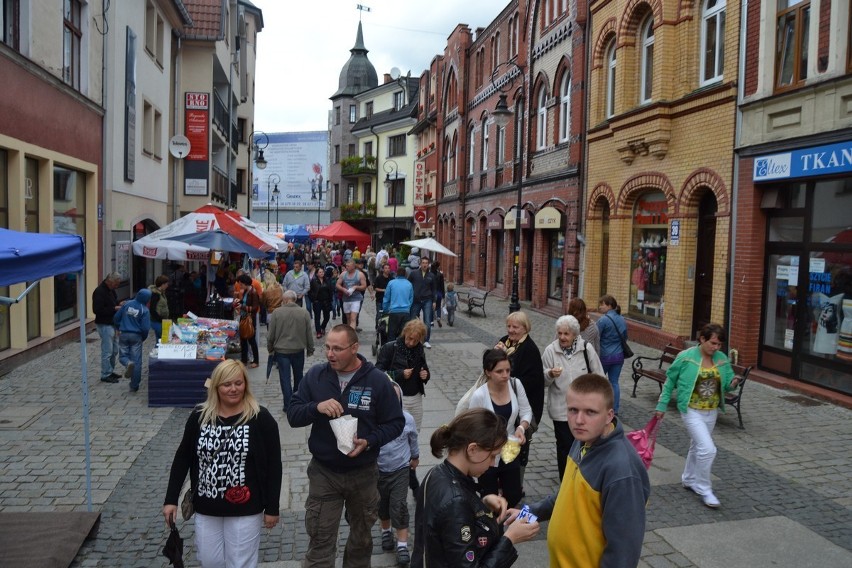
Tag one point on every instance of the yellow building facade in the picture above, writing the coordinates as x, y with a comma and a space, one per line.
662, 111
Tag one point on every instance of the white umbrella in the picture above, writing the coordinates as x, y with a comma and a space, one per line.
429, 244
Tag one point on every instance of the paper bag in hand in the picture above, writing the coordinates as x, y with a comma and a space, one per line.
345, 429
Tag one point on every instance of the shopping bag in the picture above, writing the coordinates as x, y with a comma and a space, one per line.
246, 327
645, 440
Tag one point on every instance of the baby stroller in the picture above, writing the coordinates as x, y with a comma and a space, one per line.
381, 331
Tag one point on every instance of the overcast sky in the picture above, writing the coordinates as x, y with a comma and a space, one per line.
304, 45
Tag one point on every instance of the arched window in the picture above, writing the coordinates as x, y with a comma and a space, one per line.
646, 72
541, 119
610, 80
452, 88
447, 176
565, 108
712, 41
471, 138
484, 144
454, 172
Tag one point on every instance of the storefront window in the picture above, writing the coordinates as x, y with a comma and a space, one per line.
500, 261
648, 258
471, 248
31, 205
69, 208
781, 300
5, 336
555, 271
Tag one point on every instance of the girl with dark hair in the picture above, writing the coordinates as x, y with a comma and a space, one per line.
702, 375
611, 328
588, 330
249, 307
453, 526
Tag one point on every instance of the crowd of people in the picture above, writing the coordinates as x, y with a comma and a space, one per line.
470, 509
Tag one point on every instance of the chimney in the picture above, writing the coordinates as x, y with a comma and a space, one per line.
387, 78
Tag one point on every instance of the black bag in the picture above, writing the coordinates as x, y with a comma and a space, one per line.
625, 348
173, 550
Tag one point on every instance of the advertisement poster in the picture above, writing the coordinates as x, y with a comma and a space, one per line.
300, 160
197, 125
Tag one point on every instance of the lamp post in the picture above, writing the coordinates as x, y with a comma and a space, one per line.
390, 185
502, 115
258, 142
272, 179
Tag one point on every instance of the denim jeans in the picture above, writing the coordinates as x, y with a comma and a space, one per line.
613, 372
426, 307
702, 450
130, 350
285, 361
157, 329
109, 348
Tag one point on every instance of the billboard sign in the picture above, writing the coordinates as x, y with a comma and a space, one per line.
300, 161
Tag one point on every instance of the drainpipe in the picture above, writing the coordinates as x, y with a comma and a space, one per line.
103, 225
584, 157
175, 162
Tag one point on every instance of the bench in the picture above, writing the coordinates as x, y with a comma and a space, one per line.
654, 368
475, 299
735, 397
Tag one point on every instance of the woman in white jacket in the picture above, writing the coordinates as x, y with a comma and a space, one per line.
504, 396
568, 357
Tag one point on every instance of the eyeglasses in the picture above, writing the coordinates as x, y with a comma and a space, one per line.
335, 348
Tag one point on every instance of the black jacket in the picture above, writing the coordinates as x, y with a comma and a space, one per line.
424, 286
455, 526
394, 357
321, 292
104, 302
527, 366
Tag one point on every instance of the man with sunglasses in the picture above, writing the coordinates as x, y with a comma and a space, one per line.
347, 384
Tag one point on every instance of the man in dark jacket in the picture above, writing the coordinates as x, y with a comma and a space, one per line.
347, 384
134, 323
423, 281
105, 305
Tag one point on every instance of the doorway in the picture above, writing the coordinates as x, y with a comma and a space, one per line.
703, 300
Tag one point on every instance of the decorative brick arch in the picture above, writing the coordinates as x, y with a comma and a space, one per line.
541, 81
556, 203
704, 177
629, 21
604, 192
605, 35
562, 68
499, 211
647, 180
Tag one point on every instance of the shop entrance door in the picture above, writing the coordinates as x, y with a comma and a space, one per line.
704, 258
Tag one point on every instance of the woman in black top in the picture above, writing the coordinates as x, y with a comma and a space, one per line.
440, 290
404, 359
321, 294
231, 449
453, 526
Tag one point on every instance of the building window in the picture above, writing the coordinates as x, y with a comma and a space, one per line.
501, 145
646, 78
337, 116
791, 44
368, 109
541, 120
368, 149
396, 145
69, 208
712, 41
495, 50
519, 125
337, 153
484, 145
352, 114
513, 36
242, 132
555, 266
610, 80
5, 318
648, 258
396, 192
398, 100
352, 150
471, 161
72, 35
152, 130
154, 33
10, 17
454, 150
565, 108
335, 198
32, 204
368, 192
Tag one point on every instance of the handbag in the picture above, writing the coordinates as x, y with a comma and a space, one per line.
645, 440
464, 401
625, 348
246, 327
187, 507
533, 428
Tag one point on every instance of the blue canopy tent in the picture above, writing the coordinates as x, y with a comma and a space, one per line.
29, 257
297, 234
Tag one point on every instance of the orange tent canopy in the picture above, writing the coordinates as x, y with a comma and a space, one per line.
343, 231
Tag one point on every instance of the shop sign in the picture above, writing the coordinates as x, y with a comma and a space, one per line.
177, 351
420, 214
509, 219
495, 221
548, 218
674, 234
197, 107
826, 160
651, 212
419, 182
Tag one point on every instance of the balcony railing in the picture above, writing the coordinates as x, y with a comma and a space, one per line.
356, 166
352, 211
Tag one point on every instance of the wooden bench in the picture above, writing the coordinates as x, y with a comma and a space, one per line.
475, 299
654, 368
735, 397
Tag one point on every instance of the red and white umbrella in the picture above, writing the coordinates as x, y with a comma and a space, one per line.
207, 218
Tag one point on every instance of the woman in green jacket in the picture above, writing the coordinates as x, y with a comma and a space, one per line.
702, 375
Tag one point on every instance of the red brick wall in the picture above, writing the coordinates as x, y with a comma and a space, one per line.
752, 49
824, 32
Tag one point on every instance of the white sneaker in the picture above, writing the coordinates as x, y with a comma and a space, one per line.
427, 345
711, 501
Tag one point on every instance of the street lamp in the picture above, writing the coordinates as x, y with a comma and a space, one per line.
391, 166
502, 115
272, 179
259, 140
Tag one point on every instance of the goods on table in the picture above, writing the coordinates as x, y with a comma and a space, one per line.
212, 336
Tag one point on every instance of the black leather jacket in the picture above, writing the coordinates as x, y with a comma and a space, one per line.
456, 528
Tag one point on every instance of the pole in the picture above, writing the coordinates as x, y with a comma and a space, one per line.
268, 202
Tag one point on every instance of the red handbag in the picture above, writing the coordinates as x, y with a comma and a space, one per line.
645, 440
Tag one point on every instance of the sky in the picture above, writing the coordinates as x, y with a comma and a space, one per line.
304, 45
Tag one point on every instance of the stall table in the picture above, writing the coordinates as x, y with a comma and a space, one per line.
178, 382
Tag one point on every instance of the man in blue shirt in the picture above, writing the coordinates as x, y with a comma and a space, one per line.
399, 297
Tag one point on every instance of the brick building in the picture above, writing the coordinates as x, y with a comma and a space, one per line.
533, 54
792, 261
661, 115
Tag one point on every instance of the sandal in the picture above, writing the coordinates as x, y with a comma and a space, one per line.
254, 366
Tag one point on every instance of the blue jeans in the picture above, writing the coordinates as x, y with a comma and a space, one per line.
157, 328
309, 305
426, 307
130, 349
285, 361
109, 348
613, 372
